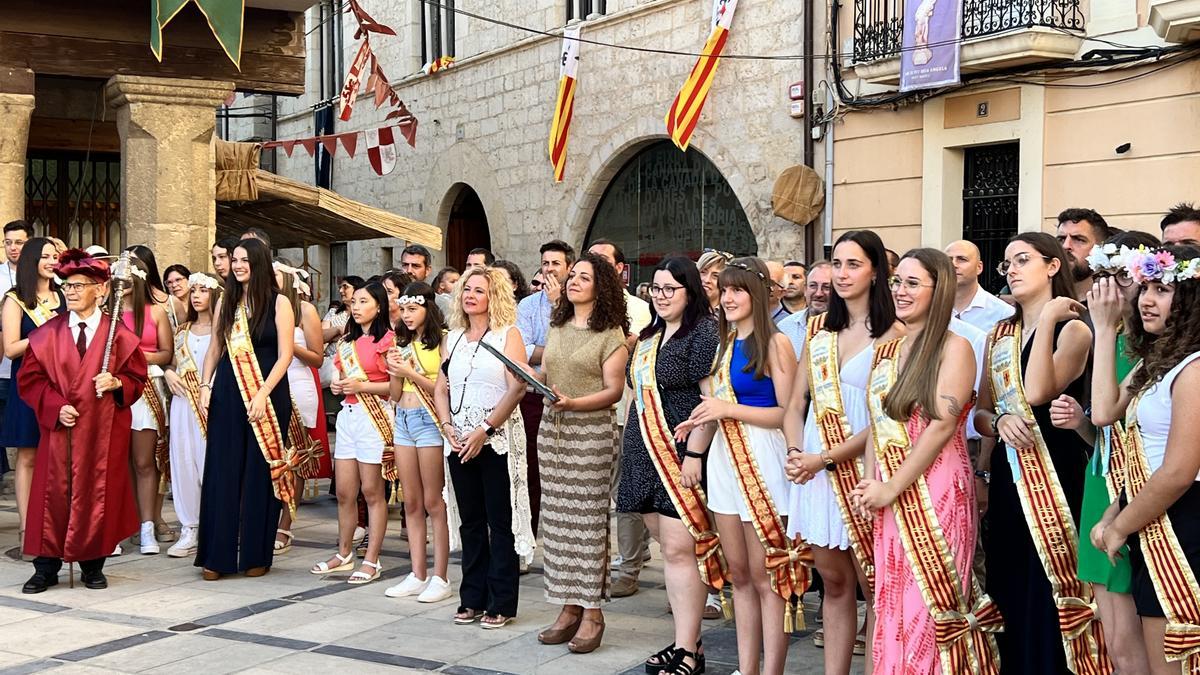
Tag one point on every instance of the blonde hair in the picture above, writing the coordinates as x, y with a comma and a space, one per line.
710, 258
502, 304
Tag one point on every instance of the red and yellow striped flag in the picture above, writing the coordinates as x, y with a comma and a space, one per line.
564, 104
689, 102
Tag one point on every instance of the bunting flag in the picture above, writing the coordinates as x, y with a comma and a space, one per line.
381, 150
564, 104
353, 79
224, 20
689, 102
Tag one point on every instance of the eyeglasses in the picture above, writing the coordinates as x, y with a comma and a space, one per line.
1122, 278
535, 284
666, 292
77, 286
910, 285
1020, 260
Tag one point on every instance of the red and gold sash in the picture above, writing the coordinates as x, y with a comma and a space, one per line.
825, 389
156, 402
283, 461
1173, 577
690, 503
965, 626
409, 354
1046, 511
39, 313
189, 372
787, 562
381, 415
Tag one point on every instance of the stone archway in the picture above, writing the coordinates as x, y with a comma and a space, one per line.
463, 165
466, 224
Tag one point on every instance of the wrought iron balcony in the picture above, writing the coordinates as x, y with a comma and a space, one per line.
879, 24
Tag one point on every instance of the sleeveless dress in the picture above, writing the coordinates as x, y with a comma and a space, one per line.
814, 507
238, 509
303, 386
20, 428
1032, 640
1154, 418
143, 418
187, 445
768, 445
904, 630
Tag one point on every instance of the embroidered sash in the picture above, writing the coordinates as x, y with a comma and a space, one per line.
156, 402
189, 372
381, 415
409, 354
1046, 511
825, 389
964, 626
39, 313
787, 562
1173, 577
690, 503
282, 461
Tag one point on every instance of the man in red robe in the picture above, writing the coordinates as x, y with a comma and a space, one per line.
85, 420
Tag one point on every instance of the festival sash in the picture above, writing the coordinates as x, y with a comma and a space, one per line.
964, 626
787, 562
39, 313
690, 503
825, 389
1116, 443
409, 354
1174, 581
1046, 511
382, 417
156, 402
282, 461
189, 372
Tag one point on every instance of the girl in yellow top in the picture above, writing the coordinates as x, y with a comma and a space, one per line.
413, 365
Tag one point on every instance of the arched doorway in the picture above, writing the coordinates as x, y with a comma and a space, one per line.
467, 226
666, 202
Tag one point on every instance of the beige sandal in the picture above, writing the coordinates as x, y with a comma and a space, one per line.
282, 547
347, 563
360, 577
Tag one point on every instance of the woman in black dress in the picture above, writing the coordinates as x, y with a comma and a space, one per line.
1054, 357
238, 508
685, 335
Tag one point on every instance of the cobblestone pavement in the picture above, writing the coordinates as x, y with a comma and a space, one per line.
158, 616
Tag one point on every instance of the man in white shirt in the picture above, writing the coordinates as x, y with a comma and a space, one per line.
818, 288
16, 234
972, 303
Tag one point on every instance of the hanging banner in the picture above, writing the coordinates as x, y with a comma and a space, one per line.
353, 78
564, 104
381, 150
689, 102
930, 54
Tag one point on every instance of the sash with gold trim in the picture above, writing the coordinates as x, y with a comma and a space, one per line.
381, 415
1173, 577
825, 390
690, 503
282, 461
156, 402
1046, 511
39, 313
964, 626
409, 354
787, 562
189, 372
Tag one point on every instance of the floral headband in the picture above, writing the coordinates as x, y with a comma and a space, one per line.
137, 272
1145, 265
298, 276
743, 266
203, 280
410, 300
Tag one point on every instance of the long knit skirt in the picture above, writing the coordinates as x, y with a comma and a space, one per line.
577, 457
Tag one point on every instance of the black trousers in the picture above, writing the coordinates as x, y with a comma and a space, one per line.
532, 407
489, 563
51, 566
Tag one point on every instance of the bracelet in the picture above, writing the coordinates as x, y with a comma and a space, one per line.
996, 424
444, 424
205, 385
695, 455
792, 449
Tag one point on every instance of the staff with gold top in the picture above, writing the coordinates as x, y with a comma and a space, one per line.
248, 466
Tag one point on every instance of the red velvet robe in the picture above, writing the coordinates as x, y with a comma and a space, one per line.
102, 509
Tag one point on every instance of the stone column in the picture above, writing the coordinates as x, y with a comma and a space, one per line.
167, 182
16, 109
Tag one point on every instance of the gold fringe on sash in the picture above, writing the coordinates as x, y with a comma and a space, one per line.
162, 452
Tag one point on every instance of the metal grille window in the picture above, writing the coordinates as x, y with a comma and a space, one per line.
437, 29
879, 24
991, 182
582, 9
75, 197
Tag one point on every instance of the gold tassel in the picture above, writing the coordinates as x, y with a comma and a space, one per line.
799, 623
395, 499
787, 617
726, 607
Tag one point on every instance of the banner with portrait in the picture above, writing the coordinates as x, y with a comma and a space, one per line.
931, 44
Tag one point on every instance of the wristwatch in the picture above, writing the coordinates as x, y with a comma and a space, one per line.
985, 476
489, 429
830, 465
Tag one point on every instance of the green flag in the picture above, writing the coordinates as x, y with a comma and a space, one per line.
224, 18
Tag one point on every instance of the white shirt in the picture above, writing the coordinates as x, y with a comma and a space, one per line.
984, 311
91, 325
978, 340
7, 281
795, 327
638, 311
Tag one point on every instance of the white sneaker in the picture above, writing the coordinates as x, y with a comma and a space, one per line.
436, 590
149, 544
116, 552
186, 545
410, 586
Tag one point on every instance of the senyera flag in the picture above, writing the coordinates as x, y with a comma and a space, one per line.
689, 102
564, 105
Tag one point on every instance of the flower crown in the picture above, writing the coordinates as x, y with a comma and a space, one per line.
410, 300
202, 279
1144, 264
298, 277
1108, 258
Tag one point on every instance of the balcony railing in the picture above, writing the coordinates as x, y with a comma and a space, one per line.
879, 24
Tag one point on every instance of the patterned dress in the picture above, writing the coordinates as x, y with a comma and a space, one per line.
577, 454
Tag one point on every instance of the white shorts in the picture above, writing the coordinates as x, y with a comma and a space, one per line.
357, 437
143, 417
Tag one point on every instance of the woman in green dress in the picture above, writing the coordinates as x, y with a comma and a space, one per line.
1110, 303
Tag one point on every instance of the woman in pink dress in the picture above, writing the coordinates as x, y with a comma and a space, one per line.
921, 490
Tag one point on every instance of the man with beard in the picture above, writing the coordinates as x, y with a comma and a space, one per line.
791, 299
1078, 231
818, 287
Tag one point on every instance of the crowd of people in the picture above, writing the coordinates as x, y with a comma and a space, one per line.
1008, 481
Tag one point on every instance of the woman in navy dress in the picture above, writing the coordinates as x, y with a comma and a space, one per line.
238, 508
35, 293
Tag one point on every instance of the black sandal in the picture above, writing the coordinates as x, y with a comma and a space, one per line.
678, 667
660, 661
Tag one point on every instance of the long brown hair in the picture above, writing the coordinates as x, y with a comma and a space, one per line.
141, 295
751, 275
917, 383
1047, 246
1181, 336
287, 288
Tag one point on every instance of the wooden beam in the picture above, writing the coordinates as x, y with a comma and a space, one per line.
49, 133
85, 57
15, 80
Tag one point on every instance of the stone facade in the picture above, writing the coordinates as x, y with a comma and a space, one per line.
485, 121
